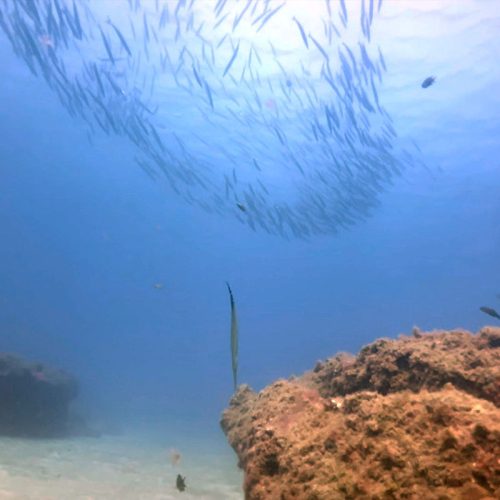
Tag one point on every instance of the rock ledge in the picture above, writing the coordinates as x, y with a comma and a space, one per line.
418, 416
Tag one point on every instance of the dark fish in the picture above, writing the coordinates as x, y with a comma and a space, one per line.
180, 4
76, 18
221, 41
428, 81
302, 32
237, 19
209, 94
280, 136
255, 21
180, 483
197, 76
220, 21
344, 10
164, 16
241, 207
219, 6
234, 337
233, 57
107, 47
271, 14
490, 312
319, 47
121, 37
146, 29
382, 60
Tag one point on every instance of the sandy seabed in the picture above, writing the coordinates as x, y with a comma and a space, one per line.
116, 467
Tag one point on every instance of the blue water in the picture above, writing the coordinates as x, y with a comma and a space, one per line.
86, 235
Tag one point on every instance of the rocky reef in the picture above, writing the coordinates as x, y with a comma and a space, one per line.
413, 417
34, 398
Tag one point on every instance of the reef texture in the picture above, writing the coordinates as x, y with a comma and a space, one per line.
34, 398
416, 417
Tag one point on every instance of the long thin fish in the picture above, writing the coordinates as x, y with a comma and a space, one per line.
319, 47
209, 93
302, 32
107, 47
237, 19
233, 57
122, 39
234, 338
219, 6
221, 20
271, 14
344, 10
76, 18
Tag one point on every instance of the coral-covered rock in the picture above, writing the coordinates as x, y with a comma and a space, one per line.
471, 363
34, 398
414, 417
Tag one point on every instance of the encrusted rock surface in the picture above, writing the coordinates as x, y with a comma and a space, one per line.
416, 417
34, 398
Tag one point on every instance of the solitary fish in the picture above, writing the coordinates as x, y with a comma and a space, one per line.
241, 207
175, 457
491, 312
428, 81
180, 483
158, 286
234, 338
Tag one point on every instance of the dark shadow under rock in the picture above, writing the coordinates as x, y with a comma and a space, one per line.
34, 398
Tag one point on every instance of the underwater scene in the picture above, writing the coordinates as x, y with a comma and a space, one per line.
249, 249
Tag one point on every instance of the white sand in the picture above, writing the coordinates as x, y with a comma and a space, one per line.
115, 467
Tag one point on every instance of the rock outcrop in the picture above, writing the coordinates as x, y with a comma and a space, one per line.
34, 398
415, 417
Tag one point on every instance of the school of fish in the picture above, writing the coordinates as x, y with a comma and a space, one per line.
265, 110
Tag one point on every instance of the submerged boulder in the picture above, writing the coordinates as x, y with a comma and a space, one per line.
418, 416
34, 398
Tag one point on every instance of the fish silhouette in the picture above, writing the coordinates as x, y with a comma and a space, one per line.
428, 81
490, 312
180, 483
